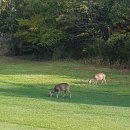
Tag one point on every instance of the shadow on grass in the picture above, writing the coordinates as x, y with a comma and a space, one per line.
82, 96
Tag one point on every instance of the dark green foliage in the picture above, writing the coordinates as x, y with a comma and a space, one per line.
118, 48
69, 28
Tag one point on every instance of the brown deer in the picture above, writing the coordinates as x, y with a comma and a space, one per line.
58, 88
98, 77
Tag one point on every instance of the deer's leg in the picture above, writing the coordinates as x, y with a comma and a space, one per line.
57, 95
95, 82
69, 93
64, 93
105, 81
58, 91
102, 81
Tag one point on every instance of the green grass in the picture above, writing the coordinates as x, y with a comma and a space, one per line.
24, 104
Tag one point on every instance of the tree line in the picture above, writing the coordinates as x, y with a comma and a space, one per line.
77, 29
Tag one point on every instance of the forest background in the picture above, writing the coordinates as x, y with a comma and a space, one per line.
68, 29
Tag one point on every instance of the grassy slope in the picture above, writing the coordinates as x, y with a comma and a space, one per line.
24, 103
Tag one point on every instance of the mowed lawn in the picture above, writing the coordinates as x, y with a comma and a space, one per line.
24, 104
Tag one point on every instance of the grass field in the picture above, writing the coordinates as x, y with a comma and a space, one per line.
24, 104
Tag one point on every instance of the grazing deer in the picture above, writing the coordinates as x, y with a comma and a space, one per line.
98, 77
58, 88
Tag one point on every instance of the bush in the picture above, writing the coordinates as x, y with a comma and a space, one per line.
117, 48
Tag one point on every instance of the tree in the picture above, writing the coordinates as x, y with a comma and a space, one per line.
73, 28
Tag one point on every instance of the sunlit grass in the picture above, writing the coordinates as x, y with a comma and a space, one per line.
24, 103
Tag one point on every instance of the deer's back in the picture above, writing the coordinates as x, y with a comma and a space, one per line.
100, 76
61, 87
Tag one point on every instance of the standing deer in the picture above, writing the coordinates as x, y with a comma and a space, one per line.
58, 88
98, 77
